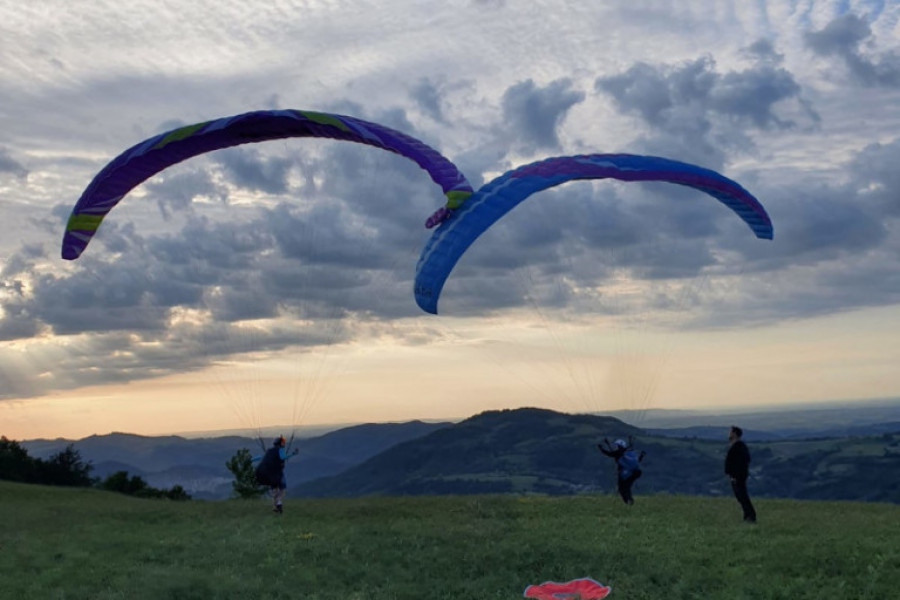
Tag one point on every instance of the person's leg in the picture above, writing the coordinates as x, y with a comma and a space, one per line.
739, 486
624, 490
749, 511
629, 483
279, 496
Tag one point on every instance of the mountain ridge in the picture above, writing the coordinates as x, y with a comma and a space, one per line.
528, 450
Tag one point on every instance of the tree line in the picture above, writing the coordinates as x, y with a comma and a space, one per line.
66, 468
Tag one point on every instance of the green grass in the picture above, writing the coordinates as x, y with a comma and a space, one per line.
60, 543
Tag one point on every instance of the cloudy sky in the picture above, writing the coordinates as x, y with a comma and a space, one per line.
272, 283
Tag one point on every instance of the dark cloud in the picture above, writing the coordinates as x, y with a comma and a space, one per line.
177, 190
428, 98
103, 358
821, 224
844, 38
120, 299
651, 92
246, 168
9, 165
325, 235
490, 156
877, 178
841, 36
119, 237
533, 113
217, 246
17, 323
764, 50
698, 113
17, 319
242, 300
20, 262
752, 95
839, 284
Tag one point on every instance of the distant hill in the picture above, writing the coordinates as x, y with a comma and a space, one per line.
720, 432
525, 449
105, 468
831, 419
198, 465
822, 453
713, 432
536, 450
144, 453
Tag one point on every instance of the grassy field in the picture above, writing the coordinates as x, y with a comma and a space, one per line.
58, 543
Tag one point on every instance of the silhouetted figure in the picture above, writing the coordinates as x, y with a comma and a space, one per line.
737, 467
628, 465
270, 471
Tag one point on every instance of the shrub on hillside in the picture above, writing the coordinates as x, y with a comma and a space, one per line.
135, 486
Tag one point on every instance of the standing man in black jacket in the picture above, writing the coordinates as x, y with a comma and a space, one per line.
737, 467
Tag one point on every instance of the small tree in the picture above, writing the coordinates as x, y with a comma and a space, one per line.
244, 484
67, 468
120, 482
177, 493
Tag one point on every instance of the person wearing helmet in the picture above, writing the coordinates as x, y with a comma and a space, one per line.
270, 471
628, 465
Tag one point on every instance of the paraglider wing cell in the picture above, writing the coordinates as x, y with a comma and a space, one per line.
485, 207
151, 156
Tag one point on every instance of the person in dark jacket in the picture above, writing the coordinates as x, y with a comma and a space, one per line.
628, 467
270, 471
737, 467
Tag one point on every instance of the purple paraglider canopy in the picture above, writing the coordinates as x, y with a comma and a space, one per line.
151, 156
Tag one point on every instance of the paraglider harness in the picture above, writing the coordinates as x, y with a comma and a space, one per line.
629, 464
270, 468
